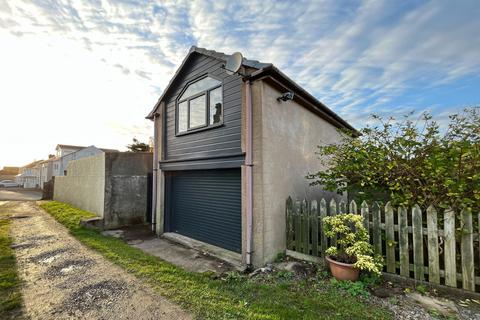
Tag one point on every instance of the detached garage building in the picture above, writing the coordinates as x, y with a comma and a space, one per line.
228, 152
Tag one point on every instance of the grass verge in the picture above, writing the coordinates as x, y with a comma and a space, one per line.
10, 295
208, 298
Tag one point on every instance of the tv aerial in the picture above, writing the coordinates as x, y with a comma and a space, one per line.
234, 62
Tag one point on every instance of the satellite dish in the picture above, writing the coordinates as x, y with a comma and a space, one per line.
234, 62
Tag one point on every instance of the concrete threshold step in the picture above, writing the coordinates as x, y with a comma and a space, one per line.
93, 223
233, 258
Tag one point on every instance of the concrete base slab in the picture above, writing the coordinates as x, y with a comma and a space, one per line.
235, 259
186, 258
182, 254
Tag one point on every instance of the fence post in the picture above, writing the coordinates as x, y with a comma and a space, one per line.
289, 226
353, 207
433, 261
377, 232
417, 242
403, 241
333, 212
450, 255
365, 215
323, 237
468, 271
390, 238
342, 207
298, 226
314, 224
305, 227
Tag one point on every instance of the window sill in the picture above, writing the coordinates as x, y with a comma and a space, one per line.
178, 134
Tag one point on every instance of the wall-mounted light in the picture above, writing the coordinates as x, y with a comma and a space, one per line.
286, 96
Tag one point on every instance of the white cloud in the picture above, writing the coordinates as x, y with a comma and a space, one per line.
102, 64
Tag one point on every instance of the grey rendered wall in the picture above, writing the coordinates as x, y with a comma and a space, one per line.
126, 188
215, 142
285, 139
83, 187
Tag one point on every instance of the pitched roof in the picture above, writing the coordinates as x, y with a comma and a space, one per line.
69, 146
52, 159
222, 56
263, 70
210, 53
108, 150
32, 164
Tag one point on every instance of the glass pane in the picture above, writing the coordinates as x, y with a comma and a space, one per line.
199, 86
182, 116
197, 112
216, 105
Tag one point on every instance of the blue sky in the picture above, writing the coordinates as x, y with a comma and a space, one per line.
87, 72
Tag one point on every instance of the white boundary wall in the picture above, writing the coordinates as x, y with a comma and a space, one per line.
84, 184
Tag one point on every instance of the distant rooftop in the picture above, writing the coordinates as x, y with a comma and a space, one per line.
32, 164
108, 150
69, 146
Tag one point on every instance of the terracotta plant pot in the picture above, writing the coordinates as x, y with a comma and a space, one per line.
342, 271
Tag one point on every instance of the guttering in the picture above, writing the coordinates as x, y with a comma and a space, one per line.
155, 172
249, 170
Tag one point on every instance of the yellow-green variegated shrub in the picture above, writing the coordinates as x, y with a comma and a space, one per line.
353, 244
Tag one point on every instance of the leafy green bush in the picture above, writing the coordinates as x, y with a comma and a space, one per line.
352, 242
410, 161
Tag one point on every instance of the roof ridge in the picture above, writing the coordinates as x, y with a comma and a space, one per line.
255, 64
223, 56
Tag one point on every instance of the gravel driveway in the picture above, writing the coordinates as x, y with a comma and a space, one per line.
65, 280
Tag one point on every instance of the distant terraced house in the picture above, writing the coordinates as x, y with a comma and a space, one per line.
66, 153
29, 175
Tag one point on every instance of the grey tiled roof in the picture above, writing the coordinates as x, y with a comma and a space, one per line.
211, 53
69, 146
222, 56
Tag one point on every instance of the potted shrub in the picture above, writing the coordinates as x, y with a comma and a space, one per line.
353, 252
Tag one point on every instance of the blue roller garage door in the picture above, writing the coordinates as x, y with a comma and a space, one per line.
206, 205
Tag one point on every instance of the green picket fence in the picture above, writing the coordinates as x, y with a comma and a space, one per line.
439, 246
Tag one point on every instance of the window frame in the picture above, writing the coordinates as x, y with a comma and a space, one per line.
206, 93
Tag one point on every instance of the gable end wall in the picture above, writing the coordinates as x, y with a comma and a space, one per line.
214, 142
286, 137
